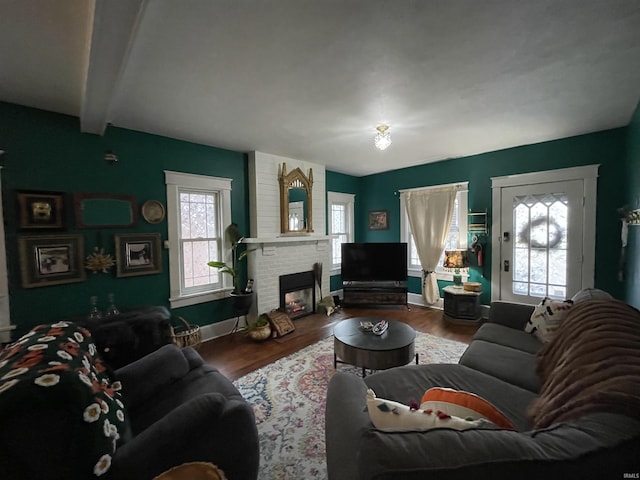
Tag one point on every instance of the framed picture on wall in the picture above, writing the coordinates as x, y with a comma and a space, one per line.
40, 210
51, 259
138, 254
378, 220
101, 210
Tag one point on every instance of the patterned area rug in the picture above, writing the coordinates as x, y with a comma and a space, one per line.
288, 397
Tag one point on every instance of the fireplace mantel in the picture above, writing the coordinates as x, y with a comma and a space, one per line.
288, 239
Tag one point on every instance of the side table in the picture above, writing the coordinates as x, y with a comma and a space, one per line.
461, 306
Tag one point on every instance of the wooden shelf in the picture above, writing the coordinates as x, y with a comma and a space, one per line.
374, 293
477, 222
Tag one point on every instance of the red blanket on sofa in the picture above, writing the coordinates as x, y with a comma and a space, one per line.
591, 365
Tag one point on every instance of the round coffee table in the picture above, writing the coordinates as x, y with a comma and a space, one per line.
354, 346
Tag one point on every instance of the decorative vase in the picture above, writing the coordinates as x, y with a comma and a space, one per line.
260, 334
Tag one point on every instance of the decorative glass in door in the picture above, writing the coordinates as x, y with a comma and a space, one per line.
540, 244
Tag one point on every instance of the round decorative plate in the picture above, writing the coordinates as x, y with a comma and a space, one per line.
153, 211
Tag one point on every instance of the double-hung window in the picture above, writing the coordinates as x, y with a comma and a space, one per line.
456, 238
341, 222
199, 209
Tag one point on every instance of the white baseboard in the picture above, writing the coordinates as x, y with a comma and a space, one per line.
5, 334
225, 327
417, 299
220, 329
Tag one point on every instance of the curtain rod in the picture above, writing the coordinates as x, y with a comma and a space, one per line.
461, 185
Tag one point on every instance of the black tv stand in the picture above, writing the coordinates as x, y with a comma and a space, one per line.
375, 293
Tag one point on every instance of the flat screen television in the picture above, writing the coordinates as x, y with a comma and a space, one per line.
367, 262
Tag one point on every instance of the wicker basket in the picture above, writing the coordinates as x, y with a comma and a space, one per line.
472, 286
186, 335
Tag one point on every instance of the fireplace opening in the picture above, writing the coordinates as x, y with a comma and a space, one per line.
298, 294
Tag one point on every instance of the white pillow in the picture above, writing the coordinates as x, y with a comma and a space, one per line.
590, 294
390, 415
546, 318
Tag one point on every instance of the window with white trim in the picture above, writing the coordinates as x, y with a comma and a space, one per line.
341, 222
456, 238
198, 209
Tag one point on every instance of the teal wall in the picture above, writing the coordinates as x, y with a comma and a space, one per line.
341, 183
632, 170
46, 151
606, 148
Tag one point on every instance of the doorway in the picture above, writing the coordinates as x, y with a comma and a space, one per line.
543, 234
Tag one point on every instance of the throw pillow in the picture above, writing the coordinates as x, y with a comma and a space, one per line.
58, 364
590, 294
193, 471
393, 416
465, 405
546, 318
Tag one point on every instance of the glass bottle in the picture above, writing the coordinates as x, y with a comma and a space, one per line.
94, 313
112, 310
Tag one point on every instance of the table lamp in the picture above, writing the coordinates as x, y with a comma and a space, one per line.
456, 259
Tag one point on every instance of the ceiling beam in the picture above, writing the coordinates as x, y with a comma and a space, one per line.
115, 26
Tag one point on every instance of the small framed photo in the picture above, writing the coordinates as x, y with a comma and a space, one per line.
138, 254
51, 259
379, 220
40, 210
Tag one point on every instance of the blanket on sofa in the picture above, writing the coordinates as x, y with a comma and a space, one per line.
593, 364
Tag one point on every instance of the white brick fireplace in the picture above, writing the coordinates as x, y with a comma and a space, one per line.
276, 253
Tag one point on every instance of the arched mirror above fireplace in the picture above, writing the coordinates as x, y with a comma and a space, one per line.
295, 201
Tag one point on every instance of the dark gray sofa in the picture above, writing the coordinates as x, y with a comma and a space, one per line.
500, 366
182, 410
64, 415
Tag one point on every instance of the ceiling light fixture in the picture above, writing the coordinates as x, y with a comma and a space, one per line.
383, 138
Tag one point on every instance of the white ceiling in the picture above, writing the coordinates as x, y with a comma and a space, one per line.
310, 79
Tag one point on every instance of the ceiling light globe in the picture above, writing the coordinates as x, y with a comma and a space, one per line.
382, 139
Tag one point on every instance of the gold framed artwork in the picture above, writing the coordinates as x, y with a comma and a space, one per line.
138, 254
40, 210
51, 259
378, 220
101, 210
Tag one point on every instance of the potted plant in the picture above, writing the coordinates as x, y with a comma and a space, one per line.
260, 329
243, 298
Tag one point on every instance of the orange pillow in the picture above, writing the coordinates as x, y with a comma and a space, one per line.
463, 405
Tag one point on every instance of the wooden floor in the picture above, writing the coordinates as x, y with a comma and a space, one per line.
236, 354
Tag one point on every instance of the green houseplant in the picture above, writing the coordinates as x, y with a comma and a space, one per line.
235, 239
242, 299
260, 329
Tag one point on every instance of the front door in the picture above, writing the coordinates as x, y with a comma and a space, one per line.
541, 240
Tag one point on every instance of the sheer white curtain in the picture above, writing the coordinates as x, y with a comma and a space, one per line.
430, 212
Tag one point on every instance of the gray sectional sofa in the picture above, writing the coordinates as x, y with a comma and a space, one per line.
501, 366
65, 415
